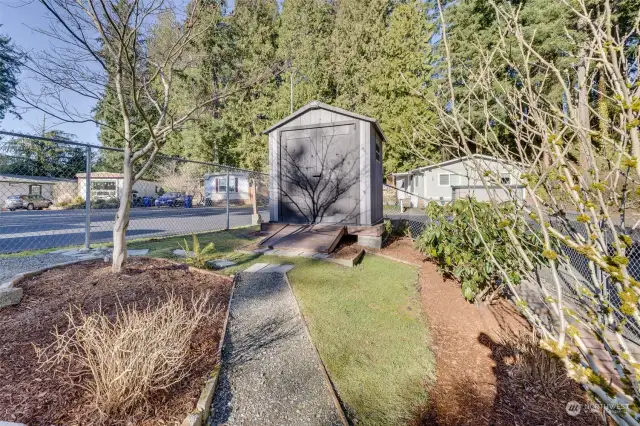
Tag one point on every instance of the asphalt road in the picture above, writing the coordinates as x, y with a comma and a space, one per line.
30, 230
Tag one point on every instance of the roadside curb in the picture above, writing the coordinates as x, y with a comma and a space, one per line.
329, 384
201, 414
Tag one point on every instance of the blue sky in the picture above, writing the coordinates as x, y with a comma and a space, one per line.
19, 18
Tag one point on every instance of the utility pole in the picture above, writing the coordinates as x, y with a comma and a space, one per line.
291, 77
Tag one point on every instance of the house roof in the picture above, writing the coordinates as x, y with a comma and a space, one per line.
224, 174
320, 105
449, 162
102, 175
32, 179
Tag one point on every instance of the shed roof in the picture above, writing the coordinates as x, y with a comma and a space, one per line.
320, 105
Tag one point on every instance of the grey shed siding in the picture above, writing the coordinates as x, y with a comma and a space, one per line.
368, 197
377, 177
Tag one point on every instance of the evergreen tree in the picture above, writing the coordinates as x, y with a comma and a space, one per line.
25, 156
9, 69
254, 26
357, 48
304, 45
399, 83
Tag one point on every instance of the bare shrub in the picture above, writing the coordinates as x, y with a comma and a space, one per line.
121, 361
533, 365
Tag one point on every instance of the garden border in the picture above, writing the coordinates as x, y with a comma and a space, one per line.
335, 397
200, 415
349, 263
11, 295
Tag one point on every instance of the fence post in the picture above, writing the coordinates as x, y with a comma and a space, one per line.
227, 199
87, 200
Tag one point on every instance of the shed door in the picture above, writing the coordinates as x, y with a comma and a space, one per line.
319, 175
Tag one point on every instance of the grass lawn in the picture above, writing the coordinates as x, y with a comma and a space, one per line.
368, 326
225, 242
366, 322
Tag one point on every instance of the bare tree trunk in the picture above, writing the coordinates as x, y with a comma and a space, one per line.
583, 113
122, 218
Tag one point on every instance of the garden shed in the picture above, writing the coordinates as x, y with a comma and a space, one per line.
326, 167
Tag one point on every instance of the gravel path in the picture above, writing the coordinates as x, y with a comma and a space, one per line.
10, 266
270, 373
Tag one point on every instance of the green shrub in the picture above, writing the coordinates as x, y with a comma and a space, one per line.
200, 255
453, 241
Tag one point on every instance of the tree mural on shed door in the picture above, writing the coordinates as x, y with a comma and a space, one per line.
319, 175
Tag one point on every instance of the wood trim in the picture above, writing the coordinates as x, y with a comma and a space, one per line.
318, 125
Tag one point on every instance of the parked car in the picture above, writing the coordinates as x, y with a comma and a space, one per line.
29, 202
171, 199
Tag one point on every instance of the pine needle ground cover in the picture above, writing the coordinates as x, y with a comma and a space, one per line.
368, 326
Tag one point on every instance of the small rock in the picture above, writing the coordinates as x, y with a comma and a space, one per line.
221, 263
181, 252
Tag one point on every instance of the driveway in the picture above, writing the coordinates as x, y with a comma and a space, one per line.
31, 230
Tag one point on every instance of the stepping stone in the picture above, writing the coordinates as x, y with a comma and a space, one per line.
289, 253
88, 257
181, 252
283, 268
270, 268
261, 250
61, 251
256, 267
320, 256
139, 252
270, 252
74, 252
308, 254
220, 264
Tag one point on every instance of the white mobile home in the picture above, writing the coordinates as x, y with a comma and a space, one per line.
215, 187
54, 189
106, 185
457, 178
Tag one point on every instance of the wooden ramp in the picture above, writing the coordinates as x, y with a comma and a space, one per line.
316, 238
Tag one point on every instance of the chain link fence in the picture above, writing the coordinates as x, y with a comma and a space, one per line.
574, 270
58, 193
406, 208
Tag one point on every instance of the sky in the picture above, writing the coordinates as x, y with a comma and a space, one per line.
18, 20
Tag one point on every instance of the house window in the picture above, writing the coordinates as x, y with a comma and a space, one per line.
377, 151
505, 179
103, 189
221, 185
415, 182
448, 179
35, 189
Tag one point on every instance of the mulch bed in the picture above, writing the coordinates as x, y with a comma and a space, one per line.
32, 396
475, 383
346, 250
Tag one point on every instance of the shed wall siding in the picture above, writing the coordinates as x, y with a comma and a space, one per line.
376, 175
274, 174
316, 116
369, 195
365, 177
